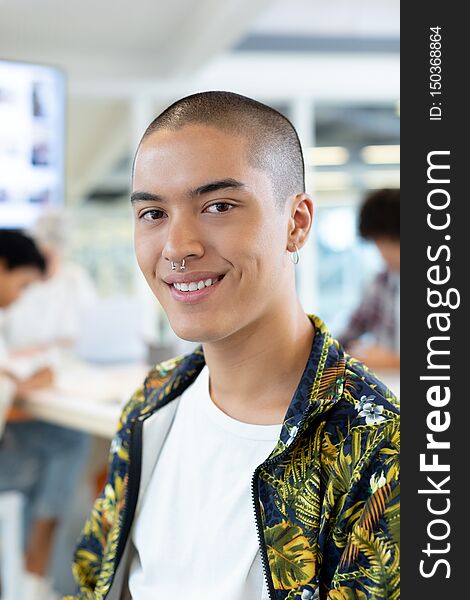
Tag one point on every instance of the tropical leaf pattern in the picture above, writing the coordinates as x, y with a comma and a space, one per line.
328, 495
291, 559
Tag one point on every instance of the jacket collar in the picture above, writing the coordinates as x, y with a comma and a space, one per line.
320, 386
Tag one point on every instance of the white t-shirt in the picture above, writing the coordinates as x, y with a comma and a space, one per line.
195, 535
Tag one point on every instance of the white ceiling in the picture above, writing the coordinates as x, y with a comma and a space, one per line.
351, 18
151, 39
107, 38
117, 52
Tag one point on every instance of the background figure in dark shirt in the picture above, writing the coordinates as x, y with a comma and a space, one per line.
378, 314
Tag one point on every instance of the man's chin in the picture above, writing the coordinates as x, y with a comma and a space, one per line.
197, 337
196, 332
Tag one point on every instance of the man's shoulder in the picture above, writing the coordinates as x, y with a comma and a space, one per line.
157, 378
360, 381
371, 407
366, 407
361, 435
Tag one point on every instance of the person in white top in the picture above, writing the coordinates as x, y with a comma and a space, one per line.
41, 460
60, 298
21, 264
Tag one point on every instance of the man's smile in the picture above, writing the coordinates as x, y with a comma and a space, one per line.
193, 287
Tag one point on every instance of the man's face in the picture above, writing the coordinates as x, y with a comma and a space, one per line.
14, 281
390, 251
196, 198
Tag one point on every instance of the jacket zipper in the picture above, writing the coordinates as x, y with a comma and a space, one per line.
262, 544
132, 491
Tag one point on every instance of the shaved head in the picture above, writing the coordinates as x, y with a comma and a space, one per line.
272, 142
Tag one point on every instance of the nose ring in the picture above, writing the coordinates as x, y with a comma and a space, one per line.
182, 266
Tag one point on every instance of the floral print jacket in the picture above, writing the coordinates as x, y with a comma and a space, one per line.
326, 500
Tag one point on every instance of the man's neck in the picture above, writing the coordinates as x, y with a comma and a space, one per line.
254, 374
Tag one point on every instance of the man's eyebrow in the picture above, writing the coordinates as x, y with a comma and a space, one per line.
215, 186
145, 197
205, 188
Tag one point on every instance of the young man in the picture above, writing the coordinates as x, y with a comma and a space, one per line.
264, 464
378, 314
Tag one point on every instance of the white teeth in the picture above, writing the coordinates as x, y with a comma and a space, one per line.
194, 285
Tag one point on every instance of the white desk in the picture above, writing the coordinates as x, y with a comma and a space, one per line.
87, 397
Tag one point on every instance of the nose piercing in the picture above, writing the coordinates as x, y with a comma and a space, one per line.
182, 266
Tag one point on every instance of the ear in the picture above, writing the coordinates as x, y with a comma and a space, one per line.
300, 221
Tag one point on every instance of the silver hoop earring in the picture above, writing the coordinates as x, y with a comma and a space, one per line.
295, 257
183, 265
173, 265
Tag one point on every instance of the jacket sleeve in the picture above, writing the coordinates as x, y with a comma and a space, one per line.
96, 539
365, 531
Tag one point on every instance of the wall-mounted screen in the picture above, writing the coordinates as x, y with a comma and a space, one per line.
32, 104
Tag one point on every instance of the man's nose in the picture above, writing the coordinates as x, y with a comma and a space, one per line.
183, 240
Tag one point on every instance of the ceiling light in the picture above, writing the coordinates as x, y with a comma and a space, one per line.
381, 155
326, 156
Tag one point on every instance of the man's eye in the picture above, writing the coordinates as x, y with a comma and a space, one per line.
152, 215
219, 207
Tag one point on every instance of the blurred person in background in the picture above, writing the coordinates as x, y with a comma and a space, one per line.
373, 332
21, 264
42, 460
55, 304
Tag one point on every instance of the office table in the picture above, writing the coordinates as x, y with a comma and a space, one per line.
87, 397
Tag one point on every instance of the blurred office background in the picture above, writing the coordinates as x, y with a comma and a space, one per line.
331, 67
